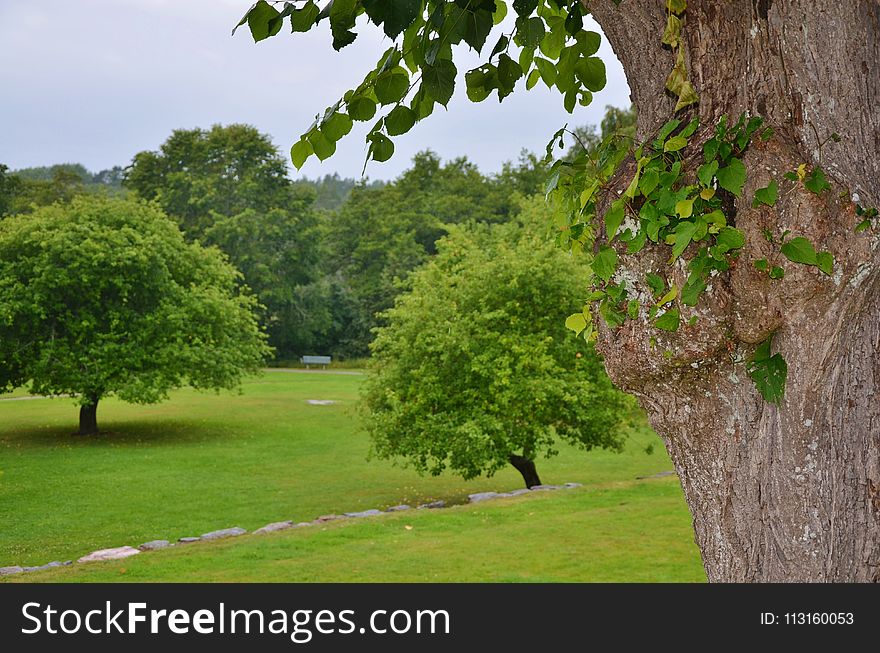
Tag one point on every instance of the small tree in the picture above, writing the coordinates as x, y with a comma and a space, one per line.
475, 370
103, 296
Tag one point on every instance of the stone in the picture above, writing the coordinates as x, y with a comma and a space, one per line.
399, 508
569, 486
9, 571
321, 402
515, 493
482, 496
226, 532
545, 487
326, 518
273, 527
433, 504
188, 540
364, 513
657, 475
48, 565
302, 523
117, 553
154, 545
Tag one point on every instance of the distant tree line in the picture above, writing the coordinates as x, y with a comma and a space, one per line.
324, 258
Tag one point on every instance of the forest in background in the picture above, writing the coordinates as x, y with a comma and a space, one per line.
325, 257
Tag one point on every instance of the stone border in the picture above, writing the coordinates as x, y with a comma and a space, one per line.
122, 552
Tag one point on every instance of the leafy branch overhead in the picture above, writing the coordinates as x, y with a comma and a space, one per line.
547, 43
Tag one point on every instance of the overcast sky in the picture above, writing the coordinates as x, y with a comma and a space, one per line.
96, 81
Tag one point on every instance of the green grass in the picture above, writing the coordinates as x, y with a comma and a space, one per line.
201, 462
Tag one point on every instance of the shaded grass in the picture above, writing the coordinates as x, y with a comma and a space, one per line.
201, 462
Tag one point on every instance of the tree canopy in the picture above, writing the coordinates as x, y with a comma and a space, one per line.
103, 296
474, 369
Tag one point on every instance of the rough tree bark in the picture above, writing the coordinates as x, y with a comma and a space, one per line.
788, 493
88, 417
526, 467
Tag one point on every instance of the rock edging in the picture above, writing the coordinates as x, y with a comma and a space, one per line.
122, 552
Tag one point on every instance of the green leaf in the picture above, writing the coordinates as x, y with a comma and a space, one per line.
676, 6
529, 32
301, 151
777, 272
825, 262
547, 70
768, 373
800, 250
649, 180
761, 264
258, 20
693, 288
591, 72
817, 182
525, 7
665, 131
732, 177
613, 218
706, 173
500, 12
393, 15
684, 231
669, 321
392, 85
302, 20
675, 144
481, 82
509, 72
766, 195
381, 147
439, 80
669, 296
324, 147
400, 120
336, 126
342, 17
685, 208
361, 108
576, 322
687, 96
533, 79
655, 283
730, 238
672, 33
605, 263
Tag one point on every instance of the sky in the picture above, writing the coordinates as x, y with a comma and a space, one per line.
96, 81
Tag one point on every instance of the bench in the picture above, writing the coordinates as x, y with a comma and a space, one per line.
315, 360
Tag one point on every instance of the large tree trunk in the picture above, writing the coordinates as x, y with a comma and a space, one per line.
88, 418
526, 467
787, 493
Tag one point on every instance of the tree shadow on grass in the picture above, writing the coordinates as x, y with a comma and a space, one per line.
118, 433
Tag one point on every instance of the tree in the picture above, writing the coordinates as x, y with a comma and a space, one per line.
228, 186
9, 187
380, 234
104, 297
474, 370
782, 478
198, 176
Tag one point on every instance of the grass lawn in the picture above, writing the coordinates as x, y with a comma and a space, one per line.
201, 462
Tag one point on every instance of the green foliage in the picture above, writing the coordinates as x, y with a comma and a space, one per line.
768, 372
103, 296
548, 43
474, 364
228, 186
801, 250
381, 234
660, 206
199, 175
